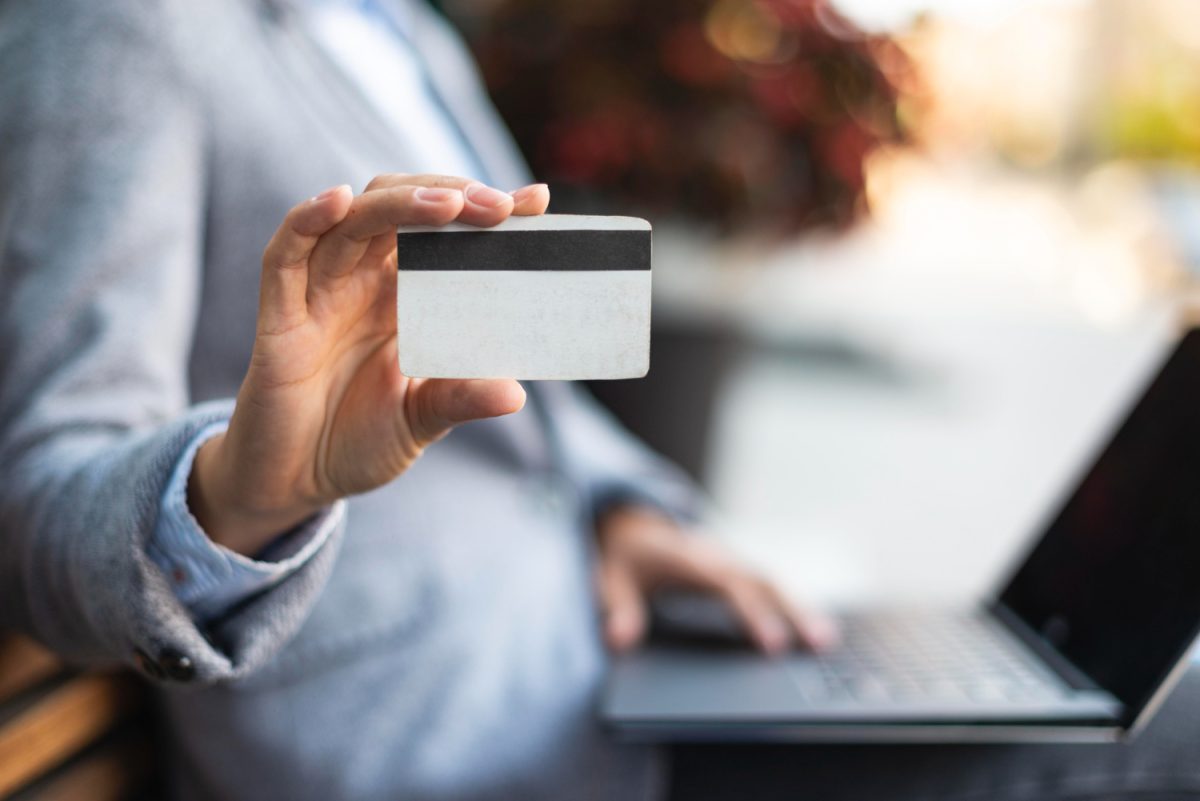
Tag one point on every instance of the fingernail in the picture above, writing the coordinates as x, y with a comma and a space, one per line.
486, 196
328, 193
526, 191
435, 194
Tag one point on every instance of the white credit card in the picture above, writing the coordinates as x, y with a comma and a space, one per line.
554, 297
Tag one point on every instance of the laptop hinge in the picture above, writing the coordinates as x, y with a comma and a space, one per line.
1063, 667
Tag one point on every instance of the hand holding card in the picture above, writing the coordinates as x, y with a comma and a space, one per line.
324, 411
545, 297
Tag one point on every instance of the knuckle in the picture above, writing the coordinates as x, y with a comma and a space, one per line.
279, 257
386, 179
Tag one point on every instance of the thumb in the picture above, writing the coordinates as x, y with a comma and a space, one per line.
623, 606
435, 405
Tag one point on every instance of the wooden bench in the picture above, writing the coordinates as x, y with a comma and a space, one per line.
67, 735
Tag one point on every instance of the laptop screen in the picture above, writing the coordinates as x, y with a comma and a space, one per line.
1114, 584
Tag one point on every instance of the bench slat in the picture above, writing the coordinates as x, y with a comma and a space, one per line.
56, 724
113, 772
23, 663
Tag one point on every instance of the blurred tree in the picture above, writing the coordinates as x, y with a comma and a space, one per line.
738, 114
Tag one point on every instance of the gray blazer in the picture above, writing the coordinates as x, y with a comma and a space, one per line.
444, 644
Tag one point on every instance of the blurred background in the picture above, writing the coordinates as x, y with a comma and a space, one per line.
912, 257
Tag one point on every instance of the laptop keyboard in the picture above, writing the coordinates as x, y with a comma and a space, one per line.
935, 658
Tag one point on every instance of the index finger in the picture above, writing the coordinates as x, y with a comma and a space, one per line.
284, 276
378, 213
814, 630
484, 205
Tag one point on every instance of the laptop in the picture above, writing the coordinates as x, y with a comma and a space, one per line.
1083, 642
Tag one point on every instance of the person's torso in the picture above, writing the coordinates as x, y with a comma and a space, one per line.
454, 653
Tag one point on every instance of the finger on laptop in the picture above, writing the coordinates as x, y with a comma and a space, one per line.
812, 629
622, 605
757, 611
700, 563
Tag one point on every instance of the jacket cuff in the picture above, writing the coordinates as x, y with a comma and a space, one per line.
112, 602
209, 579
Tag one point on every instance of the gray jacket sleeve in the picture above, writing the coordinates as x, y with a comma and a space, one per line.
102, 169
611, 464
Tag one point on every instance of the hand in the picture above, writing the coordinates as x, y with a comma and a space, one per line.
324, 411
642, 550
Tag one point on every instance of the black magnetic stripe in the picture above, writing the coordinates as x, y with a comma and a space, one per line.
524, 250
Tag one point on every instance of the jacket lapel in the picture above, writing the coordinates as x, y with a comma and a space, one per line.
455, 80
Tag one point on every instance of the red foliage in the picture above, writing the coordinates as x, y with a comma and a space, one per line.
738, 113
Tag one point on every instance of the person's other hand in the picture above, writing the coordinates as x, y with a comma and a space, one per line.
324, 411
642, 551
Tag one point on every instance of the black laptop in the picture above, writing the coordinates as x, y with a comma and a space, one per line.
1083, 642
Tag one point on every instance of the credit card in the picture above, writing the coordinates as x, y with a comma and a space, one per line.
551, 297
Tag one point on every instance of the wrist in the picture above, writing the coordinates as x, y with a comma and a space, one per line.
228, 508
